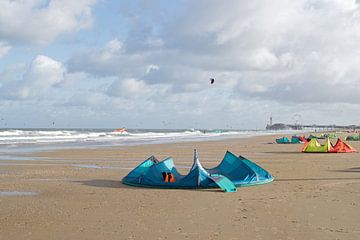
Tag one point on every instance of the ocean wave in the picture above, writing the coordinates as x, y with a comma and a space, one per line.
57, 136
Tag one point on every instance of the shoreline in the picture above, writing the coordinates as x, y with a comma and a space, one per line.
58, 141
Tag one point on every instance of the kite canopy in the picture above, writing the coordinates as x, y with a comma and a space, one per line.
231, 172
353, 138
241, 171
296, 139
285, 140
328, 135
313, 146
343, 147
302, 139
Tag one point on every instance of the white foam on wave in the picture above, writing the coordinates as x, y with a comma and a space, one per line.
15, 137
28, 136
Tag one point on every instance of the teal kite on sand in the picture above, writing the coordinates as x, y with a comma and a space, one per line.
231, 172
285, 140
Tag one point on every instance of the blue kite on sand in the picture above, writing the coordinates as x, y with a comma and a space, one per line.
233, 171
285, 140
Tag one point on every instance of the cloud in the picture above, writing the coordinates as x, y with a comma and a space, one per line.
135, 89
244, 43
45, 72
283, 57
4, 48
110, 60
152, 68
263, 59
128, 88
40, 21
42, 74
110, 50
286, 51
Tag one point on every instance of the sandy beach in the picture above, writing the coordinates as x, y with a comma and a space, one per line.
77, 194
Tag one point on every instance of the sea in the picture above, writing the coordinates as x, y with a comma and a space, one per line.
54, 138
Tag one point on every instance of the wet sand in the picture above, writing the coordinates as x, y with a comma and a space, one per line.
77, 194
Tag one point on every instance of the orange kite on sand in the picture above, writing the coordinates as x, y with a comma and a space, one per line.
343, 147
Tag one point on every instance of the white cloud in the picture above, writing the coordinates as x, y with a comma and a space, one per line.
130, 88
4, 48
114, 46
40, 22
111, 49
109, 60
42, 74
263, 59
133, 86
308, 49
152, 68
45, 72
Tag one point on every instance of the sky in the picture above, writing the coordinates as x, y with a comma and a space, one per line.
147, 64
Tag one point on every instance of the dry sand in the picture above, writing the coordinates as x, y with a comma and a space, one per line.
79, 195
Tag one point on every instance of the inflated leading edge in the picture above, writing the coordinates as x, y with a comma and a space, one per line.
231, 172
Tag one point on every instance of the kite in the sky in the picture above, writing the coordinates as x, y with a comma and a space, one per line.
212, 80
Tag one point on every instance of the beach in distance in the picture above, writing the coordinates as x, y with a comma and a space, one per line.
77, 193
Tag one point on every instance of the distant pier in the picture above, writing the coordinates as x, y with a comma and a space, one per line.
333, 127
